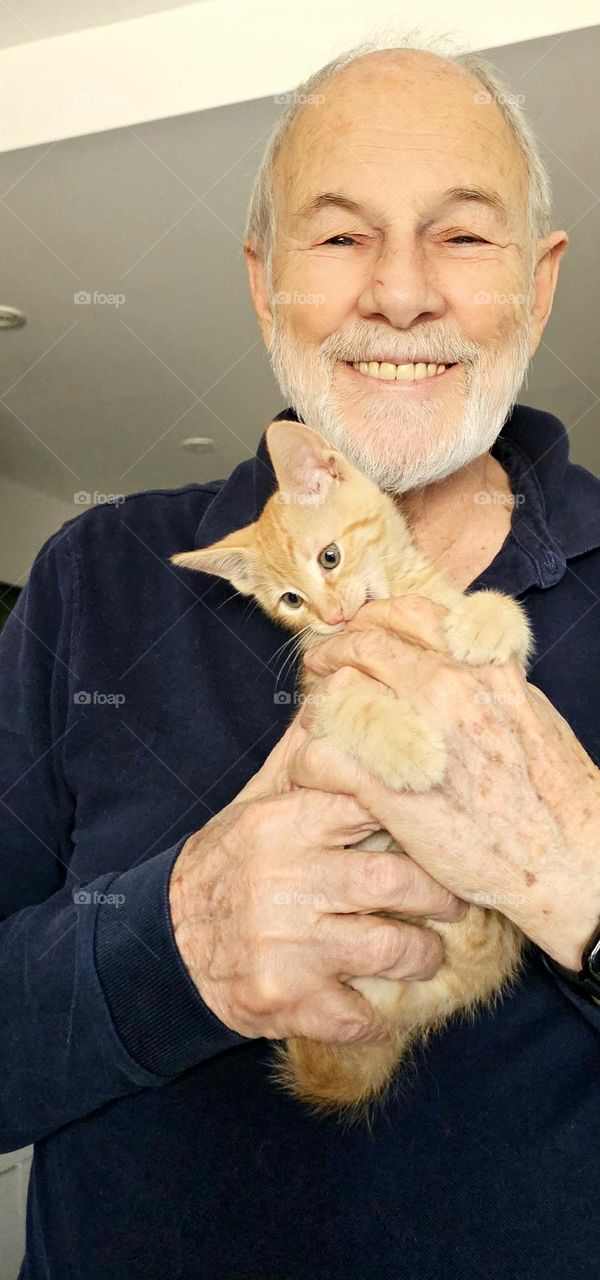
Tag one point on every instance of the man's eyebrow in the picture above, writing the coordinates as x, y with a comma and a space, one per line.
329, 199
481, 195
454, 195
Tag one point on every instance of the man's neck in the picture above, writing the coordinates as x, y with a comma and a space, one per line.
461, 522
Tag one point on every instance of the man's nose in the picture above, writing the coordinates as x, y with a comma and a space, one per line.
402, 288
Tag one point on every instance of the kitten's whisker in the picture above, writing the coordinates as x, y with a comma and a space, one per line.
290, 640
250, 607
293, 647
234, 593
293, 654
286, 665
293, 640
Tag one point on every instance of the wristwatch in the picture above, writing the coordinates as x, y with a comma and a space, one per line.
587, 980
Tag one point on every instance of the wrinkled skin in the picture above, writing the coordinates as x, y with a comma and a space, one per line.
274, 864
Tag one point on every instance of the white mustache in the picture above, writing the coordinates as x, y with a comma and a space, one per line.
406, 357
446, 352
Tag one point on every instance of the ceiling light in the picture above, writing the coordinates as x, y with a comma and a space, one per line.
11, 318
198, 444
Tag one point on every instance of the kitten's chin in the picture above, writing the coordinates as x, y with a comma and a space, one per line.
317, 632
325, 630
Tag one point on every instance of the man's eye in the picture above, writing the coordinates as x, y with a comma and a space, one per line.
454, 240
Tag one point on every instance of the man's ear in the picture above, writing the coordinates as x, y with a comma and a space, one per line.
232, 558
257, 278
303, 461
550, 251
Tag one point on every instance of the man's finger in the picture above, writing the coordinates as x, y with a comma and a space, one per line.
368, 946
414, 618
377, 654
270, 776
384, 880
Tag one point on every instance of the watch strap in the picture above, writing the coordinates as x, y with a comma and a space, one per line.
587, 979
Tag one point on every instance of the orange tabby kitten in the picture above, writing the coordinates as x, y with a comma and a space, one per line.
328, 540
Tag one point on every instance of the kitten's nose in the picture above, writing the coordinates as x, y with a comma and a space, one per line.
336, 616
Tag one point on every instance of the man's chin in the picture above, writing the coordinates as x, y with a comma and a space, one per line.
397, 453
368, 422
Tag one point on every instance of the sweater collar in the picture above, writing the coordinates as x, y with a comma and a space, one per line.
556, 515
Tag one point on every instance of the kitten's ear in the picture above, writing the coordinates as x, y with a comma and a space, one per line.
302, 460
232, 558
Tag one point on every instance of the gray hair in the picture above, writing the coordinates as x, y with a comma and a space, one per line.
260, 227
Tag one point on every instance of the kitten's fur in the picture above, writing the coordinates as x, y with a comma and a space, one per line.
323, 499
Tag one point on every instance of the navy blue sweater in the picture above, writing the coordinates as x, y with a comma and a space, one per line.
135, 701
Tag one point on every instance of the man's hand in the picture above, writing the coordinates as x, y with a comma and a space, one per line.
264, 902
515, 824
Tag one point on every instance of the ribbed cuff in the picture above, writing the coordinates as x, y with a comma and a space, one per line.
158, 1014
585, 1005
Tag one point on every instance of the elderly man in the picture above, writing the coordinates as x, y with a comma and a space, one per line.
400, 221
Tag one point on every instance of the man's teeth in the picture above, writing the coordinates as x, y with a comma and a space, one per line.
398, 372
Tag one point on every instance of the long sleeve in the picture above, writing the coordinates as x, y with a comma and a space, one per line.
587, 1008
89, 1012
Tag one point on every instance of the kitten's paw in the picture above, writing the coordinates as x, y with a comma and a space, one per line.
409, 756
385, 735
488, 627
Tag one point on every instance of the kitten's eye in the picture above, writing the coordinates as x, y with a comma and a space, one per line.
329, 557
293, 600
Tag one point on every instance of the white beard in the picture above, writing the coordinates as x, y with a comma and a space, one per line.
401, 445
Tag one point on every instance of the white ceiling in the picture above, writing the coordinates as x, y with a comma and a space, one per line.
99, 397
189, 58
38, 20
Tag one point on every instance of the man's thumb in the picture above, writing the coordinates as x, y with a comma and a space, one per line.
272, 775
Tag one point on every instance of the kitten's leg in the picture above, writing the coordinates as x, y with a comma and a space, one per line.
488, 627
482, 952
336, 1078
384, 734
483, 956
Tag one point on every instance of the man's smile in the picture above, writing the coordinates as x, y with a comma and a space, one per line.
413, 377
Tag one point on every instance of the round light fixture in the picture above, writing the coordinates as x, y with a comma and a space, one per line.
11, 318
198, 444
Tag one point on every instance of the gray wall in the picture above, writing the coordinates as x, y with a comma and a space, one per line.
14, 1177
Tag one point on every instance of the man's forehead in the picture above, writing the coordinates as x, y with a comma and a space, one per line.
400, 116
483, 167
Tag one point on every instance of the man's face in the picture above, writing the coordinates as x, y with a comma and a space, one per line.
414, 274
